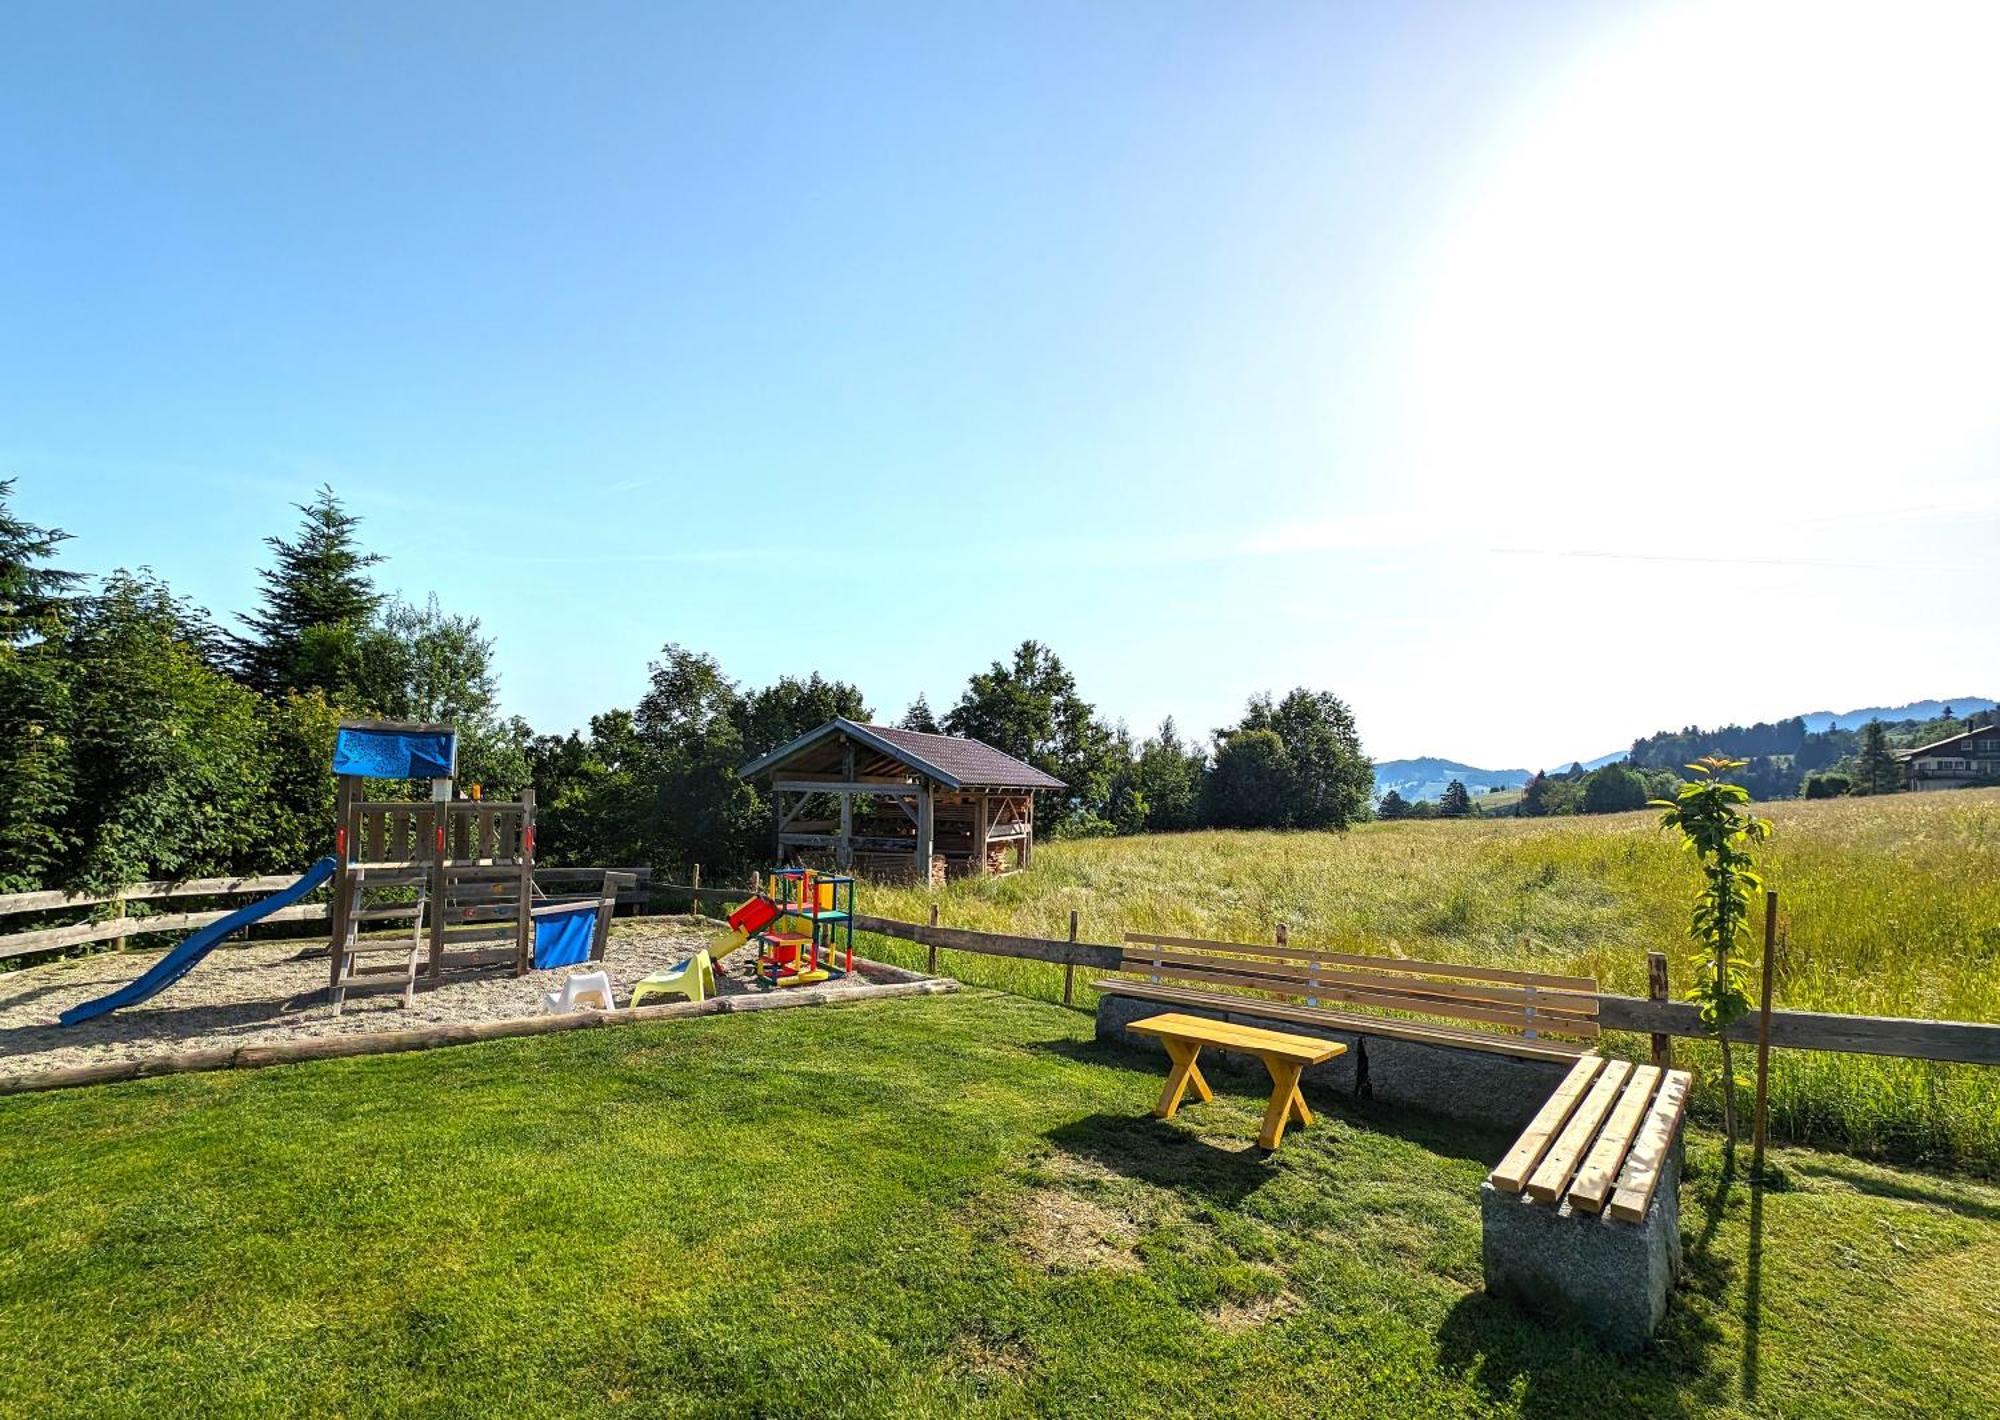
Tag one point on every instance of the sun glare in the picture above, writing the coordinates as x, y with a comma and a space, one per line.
1743, 252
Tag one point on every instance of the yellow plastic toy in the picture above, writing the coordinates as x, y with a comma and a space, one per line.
693, 978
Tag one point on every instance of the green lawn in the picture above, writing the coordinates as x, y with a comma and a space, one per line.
938, 1206
1891, 906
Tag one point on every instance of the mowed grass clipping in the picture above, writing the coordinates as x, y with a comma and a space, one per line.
1889, 906
957, 1206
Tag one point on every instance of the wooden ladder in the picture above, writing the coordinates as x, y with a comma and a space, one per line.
388, 976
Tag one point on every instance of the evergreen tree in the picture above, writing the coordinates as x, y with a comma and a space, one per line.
32, 593
919, 717
1393, 806
1535, 797
1455, 802
1880, 771
318, 603
36, 770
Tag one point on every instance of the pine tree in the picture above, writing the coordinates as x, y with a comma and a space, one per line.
919, 717
1535, 797
1879, 769
31, 592
1455, 802
1393, 806
317, 601
37, 771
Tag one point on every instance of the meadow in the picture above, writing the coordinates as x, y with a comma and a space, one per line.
953, 1206
1888, 906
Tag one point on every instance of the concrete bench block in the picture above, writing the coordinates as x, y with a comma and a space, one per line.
1585, 1268
1475, 1086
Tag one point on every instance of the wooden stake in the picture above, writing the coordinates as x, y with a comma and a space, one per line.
933, 957
1764, 1032
1069, 967
697, 891
1656, 990
1284, 934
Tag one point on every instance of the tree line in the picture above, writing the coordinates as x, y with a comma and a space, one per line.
144, 740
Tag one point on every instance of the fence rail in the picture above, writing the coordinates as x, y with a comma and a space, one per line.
1909, 1038
46, 939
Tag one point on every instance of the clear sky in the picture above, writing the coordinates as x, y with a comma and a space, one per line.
1533, 376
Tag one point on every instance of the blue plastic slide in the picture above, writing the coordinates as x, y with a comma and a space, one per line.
196, 945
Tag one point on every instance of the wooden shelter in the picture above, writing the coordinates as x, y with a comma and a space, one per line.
900, 803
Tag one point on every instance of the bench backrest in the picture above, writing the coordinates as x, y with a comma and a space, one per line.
1524, 1003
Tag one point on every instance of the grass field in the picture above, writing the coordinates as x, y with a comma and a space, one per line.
950, 1206
1891, 906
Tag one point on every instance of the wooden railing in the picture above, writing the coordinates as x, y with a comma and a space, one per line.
1967, 1042
633, 892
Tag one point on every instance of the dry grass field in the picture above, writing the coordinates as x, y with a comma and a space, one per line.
1890, 906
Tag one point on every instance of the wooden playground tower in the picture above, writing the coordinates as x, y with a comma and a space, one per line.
460, 871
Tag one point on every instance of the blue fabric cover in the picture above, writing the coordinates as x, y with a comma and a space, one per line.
563, 938
395, 754
196, 945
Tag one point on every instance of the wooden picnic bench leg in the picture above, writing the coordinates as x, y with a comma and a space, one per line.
1286, 1104
1185, 1073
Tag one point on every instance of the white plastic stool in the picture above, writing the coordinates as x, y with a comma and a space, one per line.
587, 990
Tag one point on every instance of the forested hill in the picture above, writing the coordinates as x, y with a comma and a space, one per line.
1427, 776
1918, 710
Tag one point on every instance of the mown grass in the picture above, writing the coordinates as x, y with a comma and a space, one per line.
935, 1207
1890, 906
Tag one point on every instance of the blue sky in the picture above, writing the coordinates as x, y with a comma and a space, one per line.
1427, 354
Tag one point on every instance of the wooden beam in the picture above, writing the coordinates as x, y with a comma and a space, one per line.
996, 944
849, 786
980, 824
926, 832
1973, 1043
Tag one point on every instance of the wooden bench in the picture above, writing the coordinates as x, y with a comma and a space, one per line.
1285, 1056
1581, 1219
1528, 1015
1601, 1138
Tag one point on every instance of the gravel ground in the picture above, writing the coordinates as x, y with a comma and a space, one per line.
272, 991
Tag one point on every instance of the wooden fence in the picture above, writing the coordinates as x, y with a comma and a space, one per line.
121, 925
1908, 1038
1967, 1042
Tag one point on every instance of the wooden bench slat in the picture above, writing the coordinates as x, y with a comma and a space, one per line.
1386, 1027
1641, 1174
1549, 1180
1548, 980
1551, 1002
1392, 1001
1512, 1173
1607, 1155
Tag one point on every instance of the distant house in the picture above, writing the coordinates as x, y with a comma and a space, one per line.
1968, 757
897, 803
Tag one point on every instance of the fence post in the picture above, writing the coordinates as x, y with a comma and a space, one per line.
1069, 967
697, 890
1284, 935
1764, 1034
118, 907
1656, 990
933, 946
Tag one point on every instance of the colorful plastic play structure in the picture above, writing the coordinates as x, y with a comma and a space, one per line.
787, 956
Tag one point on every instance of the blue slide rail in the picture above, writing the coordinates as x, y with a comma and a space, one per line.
196, 945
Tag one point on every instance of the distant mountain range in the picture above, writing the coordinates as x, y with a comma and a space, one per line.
1426, 777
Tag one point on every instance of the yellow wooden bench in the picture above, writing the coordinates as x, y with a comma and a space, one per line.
1601, 1139
1285, 1056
